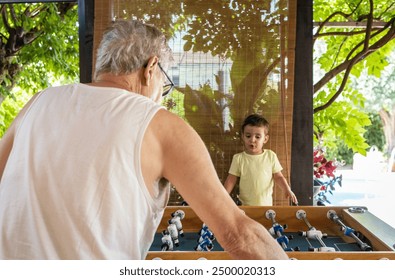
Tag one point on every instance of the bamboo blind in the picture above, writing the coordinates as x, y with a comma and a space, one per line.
194, 68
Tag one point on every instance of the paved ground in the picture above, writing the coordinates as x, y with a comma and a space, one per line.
376, 191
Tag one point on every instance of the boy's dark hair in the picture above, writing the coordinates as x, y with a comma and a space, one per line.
255, 120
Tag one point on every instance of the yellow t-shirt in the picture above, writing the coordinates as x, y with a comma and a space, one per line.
256, 176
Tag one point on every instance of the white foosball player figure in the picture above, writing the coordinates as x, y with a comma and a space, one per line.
177, 216
167, 243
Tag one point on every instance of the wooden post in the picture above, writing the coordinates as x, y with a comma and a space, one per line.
302, 131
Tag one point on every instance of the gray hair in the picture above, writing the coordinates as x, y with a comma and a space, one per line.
127, 45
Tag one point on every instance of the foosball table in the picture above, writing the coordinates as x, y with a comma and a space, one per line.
304, 232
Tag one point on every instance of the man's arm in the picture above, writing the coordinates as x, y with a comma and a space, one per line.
187, 164
6, 143
7, 140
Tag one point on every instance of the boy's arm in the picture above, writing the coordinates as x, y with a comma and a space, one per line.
280, 180
230, 182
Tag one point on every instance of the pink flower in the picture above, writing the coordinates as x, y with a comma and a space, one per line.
321, 165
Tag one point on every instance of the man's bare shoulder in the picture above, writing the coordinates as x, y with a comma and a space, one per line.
171, 125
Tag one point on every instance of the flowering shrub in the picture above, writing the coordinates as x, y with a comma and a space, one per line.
322, 166
324, 176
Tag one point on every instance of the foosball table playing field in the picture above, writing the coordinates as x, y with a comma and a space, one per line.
304, 232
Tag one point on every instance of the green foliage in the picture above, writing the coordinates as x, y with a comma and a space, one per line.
51, 57
203, 111
224, 28
344, 123
338, 150
49, 52
9, 108
374, 133
174, 103
378, 91
54, 56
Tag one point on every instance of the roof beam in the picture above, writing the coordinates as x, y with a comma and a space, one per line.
350, 24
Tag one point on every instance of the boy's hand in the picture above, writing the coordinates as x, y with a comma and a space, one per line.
293, 197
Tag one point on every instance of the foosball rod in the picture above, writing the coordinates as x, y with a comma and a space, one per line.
347, 230
301, 215
277, 229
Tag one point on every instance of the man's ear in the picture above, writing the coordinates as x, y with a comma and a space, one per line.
150, 69
266, 138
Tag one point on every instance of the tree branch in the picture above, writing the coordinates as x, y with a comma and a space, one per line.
344, 65
369, 26
327, 20
350, 63
322, 25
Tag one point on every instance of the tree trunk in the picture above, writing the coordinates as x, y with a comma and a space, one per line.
388, 120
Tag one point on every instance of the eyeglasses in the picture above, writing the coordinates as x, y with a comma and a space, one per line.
169, 85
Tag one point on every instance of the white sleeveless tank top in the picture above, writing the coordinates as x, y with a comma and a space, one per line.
73, 187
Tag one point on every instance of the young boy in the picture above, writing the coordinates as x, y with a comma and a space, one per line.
257, 168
